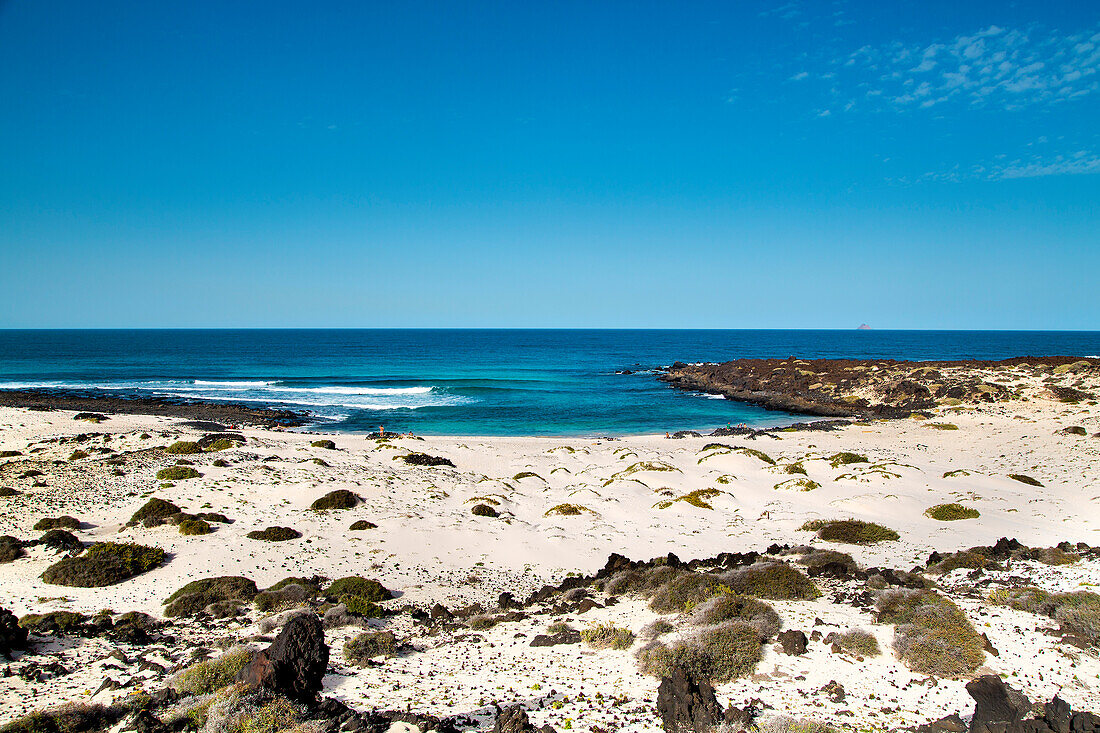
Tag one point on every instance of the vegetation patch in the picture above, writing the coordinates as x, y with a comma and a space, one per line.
608, 636
423, 459
956, 473
362, 524
76, 455
364, 647
183, 448
699, 498
177, 473
725, 479
197, 595
845, 458
527, 474
104, 563
567, 510
798, 484
354, 585
195, 526
274, 534
795, 468
1024, 479
11, 548
1077, 612
716, 653
338, 499
213, 674
484, 510
951, 512
776, 581
854, 532
326, 444
54, 622
942, 426
963, 559
858, 642
728, 606
639, 467
154, 512
933, 635
757, 454
62, 522
221, 444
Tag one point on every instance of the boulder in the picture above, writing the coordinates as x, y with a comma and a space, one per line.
998, 707
295, 663
513, 719
687, 705
792, 642
12, 636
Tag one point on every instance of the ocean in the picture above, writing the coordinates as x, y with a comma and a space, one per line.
469, 382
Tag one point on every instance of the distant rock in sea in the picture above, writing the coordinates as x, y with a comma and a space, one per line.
863, 327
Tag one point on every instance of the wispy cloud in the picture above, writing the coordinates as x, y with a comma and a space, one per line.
1079, 163
994, 67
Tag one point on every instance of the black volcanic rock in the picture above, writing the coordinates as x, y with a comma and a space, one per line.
687, 705
295, 663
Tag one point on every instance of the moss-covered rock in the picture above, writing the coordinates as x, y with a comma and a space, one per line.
104, 563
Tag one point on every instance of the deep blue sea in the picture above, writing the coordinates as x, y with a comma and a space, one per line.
473, 382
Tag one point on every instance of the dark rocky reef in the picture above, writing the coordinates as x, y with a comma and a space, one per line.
87, 401
831, 387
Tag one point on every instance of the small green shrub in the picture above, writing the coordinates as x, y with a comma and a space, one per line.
1078, 612
76, 455
716, 653
54, 622
63, 522
1024, 479
795, 468
699, 498
527, 474
757, 454
484, 510
369, 645
772, 580
155, 511
951, 512
933, 635
942, 426
213, 674
845, 458
273, 716
608, 636
567, 510
956, 473
855, 532
11, 548
799, 484
219, 463
859, 642
274, 534
683, 591
640, 467
362, 524
733, 607
819, 558
360, 606
177, 473
219, 445
338, 499
423, 459
963, 559
183, 448
195, 527
194, 597
354, 585
326, 444
10, 453
104, 563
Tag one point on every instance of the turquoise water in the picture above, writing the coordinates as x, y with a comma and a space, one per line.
485, 382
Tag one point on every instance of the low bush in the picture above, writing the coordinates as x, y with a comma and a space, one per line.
855, 532
1078, 612
219, 445
484, 510
951, 512
360, 606
212, 674
607, 636
59, 539
104, 563
683, 591
220, 463
845, 458
797, 484
183, 448
153, 512
716, 653
76, 455
772, 580
733, 607
326, 444
757, 454
54, 622
177, 473
527, 474
858, 642
11, 548
933, 635
366, 646
423, 459
195, 527
963, 559
274, 534
1025, 479
816, 558
354, 585
567, 510
291, 595
943, 426
75, 717
362, 524
63, 522
795, 468
197, 595
338, 499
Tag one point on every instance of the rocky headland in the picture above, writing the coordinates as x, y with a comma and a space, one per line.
881, 388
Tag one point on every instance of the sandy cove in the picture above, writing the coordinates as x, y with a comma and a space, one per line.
634, 496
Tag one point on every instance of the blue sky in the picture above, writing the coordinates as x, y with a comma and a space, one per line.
734, 164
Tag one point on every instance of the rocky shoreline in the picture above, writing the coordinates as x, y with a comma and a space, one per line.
90, 402
877, 388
